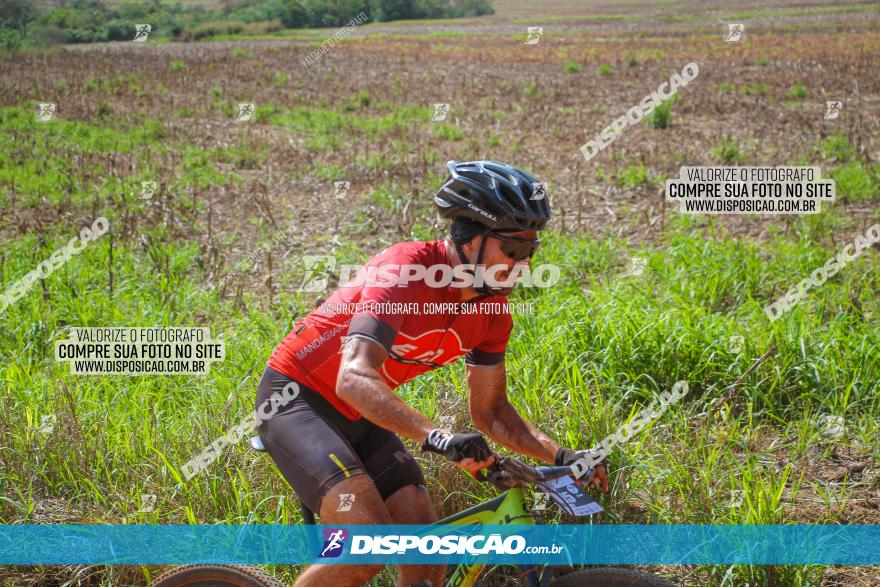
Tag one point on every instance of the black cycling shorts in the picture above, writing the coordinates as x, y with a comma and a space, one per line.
316, 447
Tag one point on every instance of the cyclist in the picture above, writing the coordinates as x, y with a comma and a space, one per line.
337, 443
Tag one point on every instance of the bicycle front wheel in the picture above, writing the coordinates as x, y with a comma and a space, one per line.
216, 576
609, 577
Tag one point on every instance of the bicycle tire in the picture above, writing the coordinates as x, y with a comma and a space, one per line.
216, 576
609, 577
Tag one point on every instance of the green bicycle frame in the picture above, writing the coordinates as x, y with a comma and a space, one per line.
507, 508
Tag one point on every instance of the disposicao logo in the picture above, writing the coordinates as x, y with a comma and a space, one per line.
334, 543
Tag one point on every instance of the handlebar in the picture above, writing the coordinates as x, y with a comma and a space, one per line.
508, 472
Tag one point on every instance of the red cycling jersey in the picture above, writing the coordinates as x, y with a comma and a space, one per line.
418, 340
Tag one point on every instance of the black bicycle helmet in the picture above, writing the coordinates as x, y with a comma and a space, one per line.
484, 196
495, 194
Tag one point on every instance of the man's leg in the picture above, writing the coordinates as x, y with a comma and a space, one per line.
309, 442
367, 508
401, 483
412, 505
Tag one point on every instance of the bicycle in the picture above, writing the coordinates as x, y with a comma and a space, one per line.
507, 474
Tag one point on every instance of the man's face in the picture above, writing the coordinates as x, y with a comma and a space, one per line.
494, 255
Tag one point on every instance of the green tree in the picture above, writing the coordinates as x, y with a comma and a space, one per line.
132, 10
385, 10
89, 5
295, 15
332, 13
10, 40
120, 30
17, 14
474, 7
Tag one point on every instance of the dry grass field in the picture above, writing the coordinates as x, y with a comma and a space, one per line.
165, 112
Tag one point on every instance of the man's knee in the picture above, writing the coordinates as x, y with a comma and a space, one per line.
368, 571
420, 576
411, 505
354, 500
361, 573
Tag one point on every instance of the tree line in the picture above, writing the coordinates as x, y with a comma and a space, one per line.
24, 23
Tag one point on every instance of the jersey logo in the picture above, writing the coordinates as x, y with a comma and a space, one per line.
434, 348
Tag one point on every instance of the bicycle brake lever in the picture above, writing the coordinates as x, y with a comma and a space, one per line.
483, 475
497, 475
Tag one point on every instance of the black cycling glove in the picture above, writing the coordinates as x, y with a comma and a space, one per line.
566, 456
455, 447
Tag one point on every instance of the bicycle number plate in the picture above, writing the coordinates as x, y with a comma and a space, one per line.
573, 500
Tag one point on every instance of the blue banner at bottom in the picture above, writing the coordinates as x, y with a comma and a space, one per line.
508, 544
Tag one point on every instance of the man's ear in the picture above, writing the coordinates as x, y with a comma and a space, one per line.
472, 245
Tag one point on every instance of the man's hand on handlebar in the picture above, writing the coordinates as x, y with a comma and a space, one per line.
474, 466
470, 451
599, 479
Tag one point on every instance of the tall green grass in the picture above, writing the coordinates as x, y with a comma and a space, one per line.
596, 350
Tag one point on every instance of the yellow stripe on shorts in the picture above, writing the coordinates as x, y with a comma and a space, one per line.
339, 464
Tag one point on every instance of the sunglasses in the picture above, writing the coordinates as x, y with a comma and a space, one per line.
517, 248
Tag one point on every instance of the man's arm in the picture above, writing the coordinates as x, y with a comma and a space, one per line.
492, 413
360, 384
